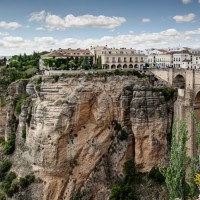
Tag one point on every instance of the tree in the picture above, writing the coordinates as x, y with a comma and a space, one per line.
99, 63
175, 173
85, 64
72, 64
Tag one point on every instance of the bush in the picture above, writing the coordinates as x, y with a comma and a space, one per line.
7, 182
14, 188
9, 145
18, 107
117, 126
167, 92
25, 182
122, 192
2, 196
2, 101
30, 178
24, 132
4, 167
56, 78
156, 175
123, 135
130, 171
8, 185
39, 80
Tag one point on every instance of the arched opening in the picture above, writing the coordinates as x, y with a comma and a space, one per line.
113, 67
197, 118
135, 66
124, 66
119, 66
179, 82
130, 66
106, 66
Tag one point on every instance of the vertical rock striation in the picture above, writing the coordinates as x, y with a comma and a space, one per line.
73, 143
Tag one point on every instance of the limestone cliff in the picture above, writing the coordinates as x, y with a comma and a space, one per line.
79, 133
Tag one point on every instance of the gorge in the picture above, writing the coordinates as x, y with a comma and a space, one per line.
75, 133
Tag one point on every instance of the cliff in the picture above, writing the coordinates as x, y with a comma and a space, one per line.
80, 131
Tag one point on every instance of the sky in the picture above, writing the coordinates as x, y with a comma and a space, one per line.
41, 25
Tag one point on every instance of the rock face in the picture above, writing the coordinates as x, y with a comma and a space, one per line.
74, 138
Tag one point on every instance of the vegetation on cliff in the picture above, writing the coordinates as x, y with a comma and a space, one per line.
19, 67
179, 182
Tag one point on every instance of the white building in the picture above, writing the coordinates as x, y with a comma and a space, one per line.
113, 58
159, 58
196, 61
182, 59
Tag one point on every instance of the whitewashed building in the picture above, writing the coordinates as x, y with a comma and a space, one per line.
182, 59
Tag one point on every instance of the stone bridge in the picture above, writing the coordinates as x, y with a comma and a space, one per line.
188, 84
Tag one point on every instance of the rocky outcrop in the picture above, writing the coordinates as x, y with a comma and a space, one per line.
80, 132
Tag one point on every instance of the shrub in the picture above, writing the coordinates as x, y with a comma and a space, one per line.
122, 192
23, 182
7, 182
30, 178
39, 80
156, 175
14, 188
2, 101
9, 145
24, 132
2, 196
168, 93
56, 78
5, 166
117, 126
123, 135
197, 179
18, 107
130, 171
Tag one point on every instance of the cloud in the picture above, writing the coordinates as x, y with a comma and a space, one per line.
186, 1
9, 45
39, 29
185, 18
37, 16
4, 34
10, 25
54, 22
13, 39
146, 20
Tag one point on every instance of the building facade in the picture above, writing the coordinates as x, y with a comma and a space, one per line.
113, 58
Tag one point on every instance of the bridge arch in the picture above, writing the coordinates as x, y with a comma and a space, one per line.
179, 82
